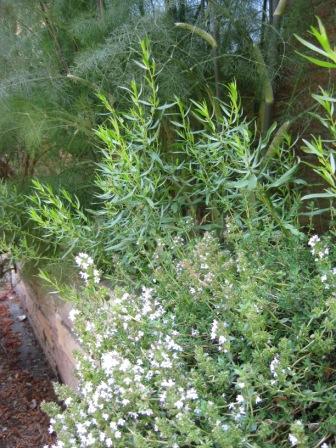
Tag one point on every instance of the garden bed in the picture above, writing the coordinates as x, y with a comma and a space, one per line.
49, 318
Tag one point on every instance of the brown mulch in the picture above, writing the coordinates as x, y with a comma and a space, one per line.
24, 384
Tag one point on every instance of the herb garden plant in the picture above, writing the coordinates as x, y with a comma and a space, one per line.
216, 166
222, 346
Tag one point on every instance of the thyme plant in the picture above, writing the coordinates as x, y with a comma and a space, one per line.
220, 346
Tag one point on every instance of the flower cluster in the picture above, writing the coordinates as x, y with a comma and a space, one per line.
318, 248
219, 332
297, 436
88, 271
238, 408
321, 253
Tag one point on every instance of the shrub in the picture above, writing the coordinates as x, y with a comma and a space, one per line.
215, 166
219, 347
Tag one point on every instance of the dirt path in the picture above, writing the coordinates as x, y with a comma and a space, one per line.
25, 379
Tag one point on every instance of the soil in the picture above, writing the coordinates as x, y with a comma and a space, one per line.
25, 379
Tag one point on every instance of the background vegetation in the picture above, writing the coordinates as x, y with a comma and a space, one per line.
55, 56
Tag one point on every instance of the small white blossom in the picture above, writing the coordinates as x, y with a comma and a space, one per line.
179, 404
191, 394
83, 260
96, 276
194, 332
240, 399
274, 365
68, 401
73, 313
214, 328
313, 241
323, 252
293, 439
84, 275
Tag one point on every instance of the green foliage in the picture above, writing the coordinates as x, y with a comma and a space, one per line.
221, 346
323, 148
60, 219
323, 49
9, 216
55, 55
215, 167
17, 238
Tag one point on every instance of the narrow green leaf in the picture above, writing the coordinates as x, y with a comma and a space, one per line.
332, 163
318, 62
285, 178
311, 46
139, 64
328, 194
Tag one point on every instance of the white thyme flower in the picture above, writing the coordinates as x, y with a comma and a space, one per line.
84, 275
323, 252
191, 394
323, 278
293, 439
83, 260
194, 332
109, 360
240, 399
313, 241
222, 340
179, 404
214, 329
274, 365
68, 401
73, 313
96, 276
178, 240
208, 278
168, 383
